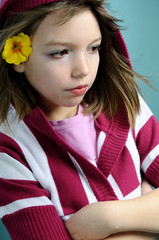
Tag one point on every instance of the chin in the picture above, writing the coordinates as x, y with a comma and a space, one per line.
74, 103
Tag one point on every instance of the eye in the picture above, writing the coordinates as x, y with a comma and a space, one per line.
94, 49
59, 54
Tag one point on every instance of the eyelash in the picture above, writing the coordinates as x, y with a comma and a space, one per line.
96, 48
59, 54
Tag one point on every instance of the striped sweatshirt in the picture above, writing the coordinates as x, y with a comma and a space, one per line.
43, 181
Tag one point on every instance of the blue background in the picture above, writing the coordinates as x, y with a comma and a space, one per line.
141, 19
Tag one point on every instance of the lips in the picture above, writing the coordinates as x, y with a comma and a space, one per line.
78, 91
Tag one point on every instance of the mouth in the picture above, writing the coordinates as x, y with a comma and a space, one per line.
78, 91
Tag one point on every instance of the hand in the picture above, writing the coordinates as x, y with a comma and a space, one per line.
92, 222
145, 187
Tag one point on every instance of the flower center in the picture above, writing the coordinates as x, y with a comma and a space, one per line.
16, 47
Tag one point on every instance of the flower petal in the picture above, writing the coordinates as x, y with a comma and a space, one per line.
16, 39
8, 45
17, 49
12, 58
26, 41
26, 51
6, 53
22, 58
21, 34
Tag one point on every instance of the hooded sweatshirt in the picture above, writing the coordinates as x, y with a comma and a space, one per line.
44, 180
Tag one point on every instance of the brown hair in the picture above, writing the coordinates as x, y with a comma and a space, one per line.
114, 84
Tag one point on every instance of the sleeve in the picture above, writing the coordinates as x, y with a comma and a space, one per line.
147, 141
25, 207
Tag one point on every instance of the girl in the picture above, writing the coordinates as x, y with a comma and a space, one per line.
74, 134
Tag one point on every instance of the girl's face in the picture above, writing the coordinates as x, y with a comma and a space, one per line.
64, 62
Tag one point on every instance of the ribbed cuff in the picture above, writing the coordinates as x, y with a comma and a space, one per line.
152, 173
36, 223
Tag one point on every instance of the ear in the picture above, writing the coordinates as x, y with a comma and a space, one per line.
19, 68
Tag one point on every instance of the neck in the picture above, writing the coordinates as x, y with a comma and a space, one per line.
59, 113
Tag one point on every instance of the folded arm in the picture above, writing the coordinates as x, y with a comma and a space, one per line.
132, 236
102, 219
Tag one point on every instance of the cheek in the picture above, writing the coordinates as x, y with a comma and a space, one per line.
35, 71
95, 66
95, 61
46, 80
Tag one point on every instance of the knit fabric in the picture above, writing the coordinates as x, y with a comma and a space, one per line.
10, 7
43, 181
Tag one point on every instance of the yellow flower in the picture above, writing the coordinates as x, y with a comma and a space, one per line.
17, 49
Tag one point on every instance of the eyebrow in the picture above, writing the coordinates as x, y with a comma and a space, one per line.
68, 43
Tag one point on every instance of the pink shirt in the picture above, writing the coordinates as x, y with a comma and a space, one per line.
80, 133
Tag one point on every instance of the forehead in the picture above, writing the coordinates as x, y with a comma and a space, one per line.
84, 22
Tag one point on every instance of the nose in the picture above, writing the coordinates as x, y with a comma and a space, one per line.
80, 66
